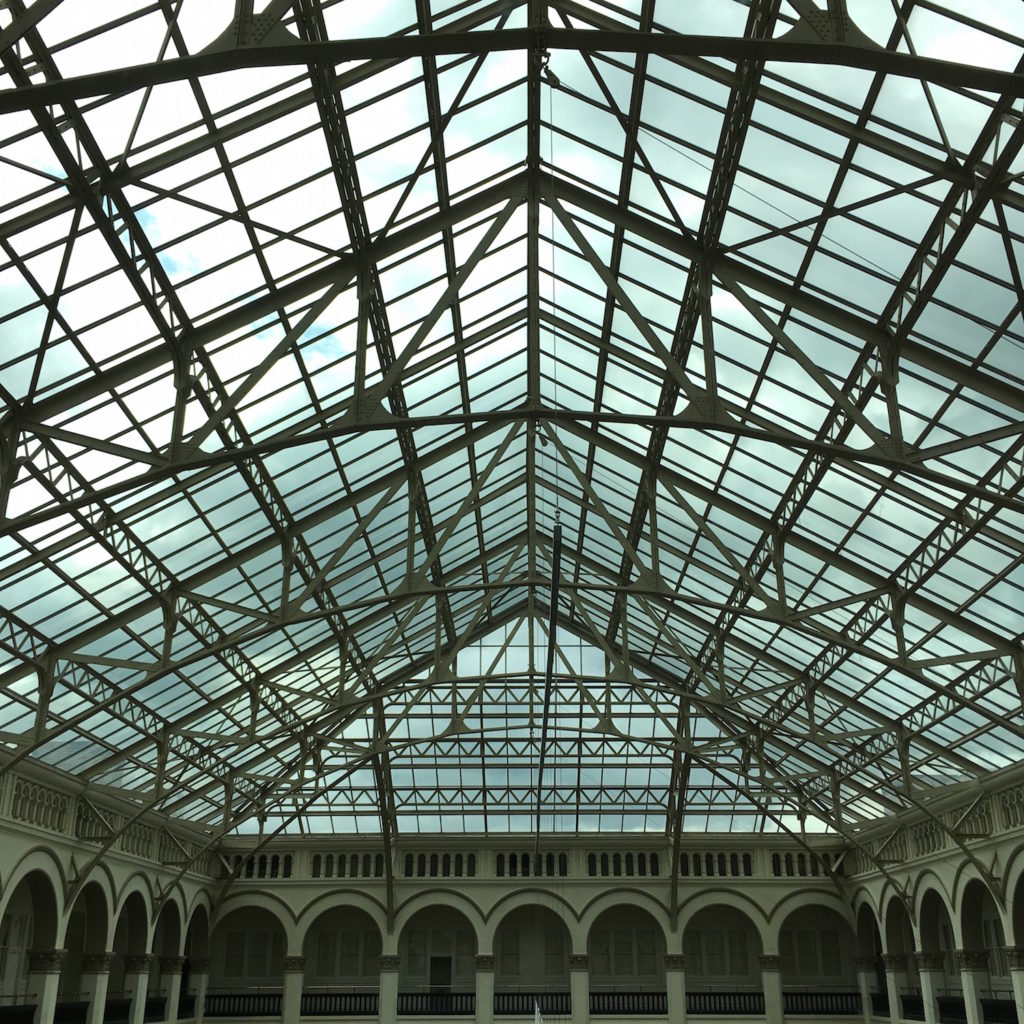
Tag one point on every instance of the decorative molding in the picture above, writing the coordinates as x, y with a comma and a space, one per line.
770, 962
198, 965
867, 964
579, 962
972, 959
930, 961
1014, 957
894, 962
97, 963
294, 964
675, 962
484, 962
138, 963
171, 964
389, 963
46, 961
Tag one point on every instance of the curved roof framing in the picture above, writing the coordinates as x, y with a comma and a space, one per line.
316, 319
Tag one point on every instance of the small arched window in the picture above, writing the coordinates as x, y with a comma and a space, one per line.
378, 866
275, 866
329, 866
721, 865
592, 865
353, 865
604, 865
776, 866
563, 865
697, 866
262, 873
789, 865
409, 862
524, 861
458, 865
317, 865
748, 866
629, 864
446, 865
341, 865
499, 865
250, 867
433, 865
471, 865
684, 865
617, 864
287, 865
513, 864
734, 864
641, 864
655, 866
709, 864
421, 865
801, 864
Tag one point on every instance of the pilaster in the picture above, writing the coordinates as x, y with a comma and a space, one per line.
291, 993
895, 965
771, 980
170, 980
1015, 958
199, 973
867, 972
579, 987
44, 967
95, 979
485, 989
387, 1007
931, 969
675, 987
973, 964
136, 984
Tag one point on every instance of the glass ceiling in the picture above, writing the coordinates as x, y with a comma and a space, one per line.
317, 318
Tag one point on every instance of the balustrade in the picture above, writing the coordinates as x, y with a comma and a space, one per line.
243, 1004
523, 1004
638, 1003
72, 1012
912, 1006
340, 1004
952, 1009
725, 1004
435, 1003
822, 1004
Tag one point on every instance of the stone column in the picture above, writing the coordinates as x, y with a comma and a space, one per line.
895, 965
291, 993
1015, 958
136, 984
771, 980
199, 972
170, 976
931, 969
579, 987
485, 989
44, 967
972, 963
866, 974
95, 978
675, 987
387, 1006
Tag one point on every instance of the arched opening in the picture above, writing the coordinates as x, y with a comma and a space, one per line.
1017, 912
816, 946
131, 940
721, 946
247, 952
85, 940
983, 930
626, 946
29, 924
869, 947
167, 963
531, 961
342, 948
197, 948
937, 937
437, 968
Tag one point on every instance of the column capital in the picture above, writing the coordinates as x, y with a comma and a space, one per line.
1014, 957
867, 964
484, 962
579, 962
389, 963
929, 961
97, 963
46, 961
138, 963
894, 962
294, 964
171, 964
675, 962
972, 959
198, 965
770, 962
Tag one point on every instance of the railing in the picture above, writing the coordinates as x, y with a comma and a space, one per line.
76, 1012
912, 1006
725, 1004
999, 1011
117, 1011
522, 1004
628, 1002
155, 1008
339, 1004
243, 1004
822, 1004
21, 1013
952, 1010
187, 1006
879, 1004
431, 1003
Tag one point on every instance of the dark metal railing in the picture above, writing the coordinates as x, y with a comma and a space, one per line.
117, 1011
822, 1004
952, 1010
460, 1004
339, 1004
999, 1011
71, 1012
912, 1006
879, 1004
521, 1004
187, 1006
18, 1013
243, 1004
155, 1008
628, 1002
725, 1004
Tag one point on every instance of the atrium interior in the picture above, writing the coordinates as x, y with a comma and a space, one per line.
511, 508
